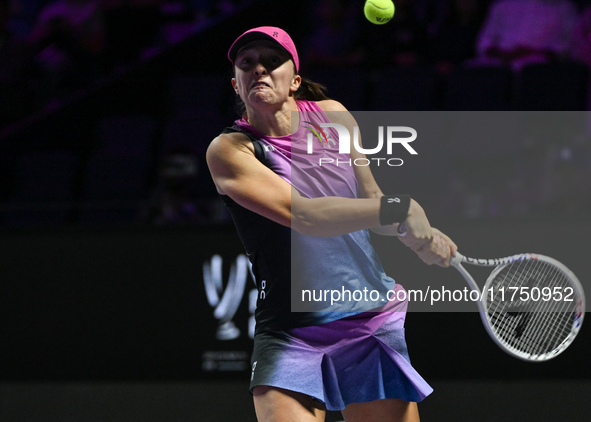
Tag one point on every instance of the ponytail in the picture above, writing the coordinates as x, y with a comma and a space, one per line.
311, 91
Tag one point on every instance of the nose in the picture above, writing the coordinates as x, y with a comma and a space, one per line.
260, 69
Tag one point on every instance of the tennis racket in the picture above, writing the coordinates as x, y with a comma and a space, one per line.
531, 305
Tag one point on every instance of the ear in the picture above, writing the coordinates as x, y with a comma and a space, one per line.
234, 85
295, 85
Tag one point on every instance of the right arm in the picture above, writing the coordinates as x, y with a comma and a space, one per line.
237, 173
240, 175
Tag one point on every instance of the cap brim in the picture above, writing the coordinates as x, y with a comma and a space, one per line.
245, 39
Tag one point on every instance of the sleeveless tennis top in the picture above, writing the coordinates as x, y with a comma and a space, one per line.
299, 276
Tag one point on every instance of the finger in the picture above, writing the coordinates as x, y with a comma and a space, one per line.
451, 243
429, 254
440, 252
414, 244
446, 262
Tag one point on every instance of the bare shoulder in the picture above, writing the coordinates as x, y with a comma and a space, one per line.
227, 153
331, 105
337, 113
224, 141
227, 144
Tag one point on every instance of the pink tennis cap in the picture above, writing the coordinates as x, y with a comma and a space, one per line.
265, 33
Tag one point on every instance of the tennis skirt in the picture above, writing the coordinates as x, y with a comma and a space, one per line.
357, 359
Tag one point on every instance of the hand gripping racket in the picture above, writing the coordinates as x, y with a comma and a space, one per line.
531, 305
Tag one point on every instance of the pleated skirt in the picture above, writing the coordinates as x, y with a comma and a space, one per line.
357, 359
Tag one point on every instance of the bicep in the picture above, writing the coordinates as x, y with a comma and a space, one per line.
240, 175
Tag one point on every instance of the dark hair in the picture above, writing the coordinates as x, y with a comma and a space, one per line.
308, 90
311, 91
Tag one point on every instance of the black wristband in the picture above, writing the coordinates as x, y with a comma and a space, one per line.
394, 209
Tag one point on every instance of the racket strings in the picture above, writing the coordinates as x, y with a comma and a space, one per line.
526, 307
546, 329
549, 314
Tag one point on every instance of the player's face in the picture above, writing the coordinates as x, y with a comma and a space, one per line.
264, 74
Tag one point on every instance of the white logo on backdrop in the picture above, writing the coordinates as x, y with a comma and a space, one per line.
226, 300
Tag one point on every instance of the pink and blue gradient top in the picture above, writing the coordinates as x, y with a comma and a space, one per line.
346, 262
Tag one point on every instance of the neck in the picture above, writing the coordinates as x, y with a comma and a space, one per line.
274, 121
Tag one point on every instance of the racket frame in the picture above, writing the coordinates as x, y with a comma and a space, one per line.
460, 259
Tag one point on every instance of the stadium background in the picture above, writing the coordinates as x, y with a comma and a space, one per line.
103, 306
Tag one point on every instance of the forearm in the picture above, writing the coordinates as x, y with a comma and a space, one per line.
334, 216
389, 230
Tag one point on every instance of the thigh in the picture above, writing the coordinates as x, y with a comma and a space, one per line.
386, 410
274, 404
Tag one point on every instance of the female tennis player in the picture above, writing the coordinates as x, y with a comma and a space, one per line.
303, 223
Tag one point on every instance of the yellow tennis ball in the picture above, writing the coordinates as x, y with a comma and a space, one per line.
379, 11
